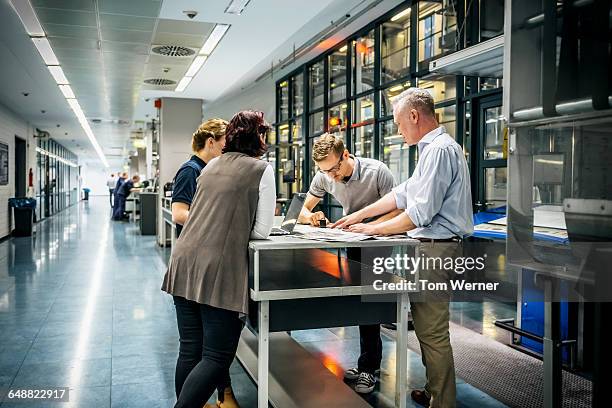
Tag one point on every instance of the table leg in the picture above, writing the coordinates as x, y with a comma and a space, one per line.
401, 350
263, 348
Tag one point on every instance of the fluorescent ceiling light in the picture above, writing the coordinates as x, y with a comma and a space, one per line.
32, 25
213, 39
183, 84
236, 6
196, 65
45, 50
67, 91
401, 14
58, 74
28, 17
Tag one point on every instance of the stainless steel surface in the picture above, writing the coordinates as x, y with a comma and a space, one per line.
483, 59
314, 293
401, 347
263, 350
314, 387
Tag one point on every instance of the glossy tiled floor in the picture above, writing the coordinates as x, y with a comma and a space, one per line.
80, 306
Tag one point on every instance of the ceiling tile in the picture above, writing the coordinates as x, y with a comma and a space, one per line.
146, 8
112, 21
59, 43
184, 27
132, 36
192, 41
128, 48
61, 30
66, 17
82, 5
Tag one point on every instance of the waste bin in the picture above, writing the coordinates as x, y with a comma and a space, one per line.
23, 214
86, 194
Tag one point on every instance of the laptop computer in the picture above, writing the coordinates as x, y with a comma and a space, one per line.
292, 215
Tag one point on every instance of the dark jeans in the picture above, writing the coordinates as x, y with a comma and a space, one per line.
208, 342
119, 207
111, 193
371, 348
369, 335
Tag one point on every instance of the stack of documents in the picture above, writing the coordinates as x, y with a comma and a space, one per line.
329, 234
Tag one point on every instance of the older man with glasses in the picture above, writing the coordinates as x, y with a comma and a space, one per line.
355, 182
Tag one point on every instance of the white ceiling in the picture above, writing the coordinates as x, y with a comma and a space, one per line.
104, 47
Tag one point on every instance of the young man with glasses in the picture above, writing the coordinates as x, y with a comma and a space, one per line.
355, 182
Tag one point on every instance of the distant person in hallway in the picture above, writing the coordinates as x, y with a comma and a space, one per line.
110, 183
437, 209
121, 177
124, 191
208, 270
207, 143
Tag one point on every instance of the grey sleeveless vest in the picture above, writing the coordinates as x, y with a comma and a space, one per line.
209, 263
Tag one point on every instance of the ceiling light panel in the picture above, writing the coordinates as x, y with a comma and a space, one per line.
58, 74
236, 6
183, 84
196, 65
67, 91
28, 17
213, 39
45, 50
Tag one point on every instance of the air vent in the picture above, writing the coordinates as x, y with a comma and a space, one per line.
173, 50
159, 81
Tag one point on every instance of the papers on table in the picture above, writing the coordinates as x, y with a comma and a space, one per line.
336, 235
330, 234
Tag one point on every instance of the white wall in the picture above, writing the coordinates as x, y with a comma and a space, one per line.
257, 97
12, 125
179, 118
94, 177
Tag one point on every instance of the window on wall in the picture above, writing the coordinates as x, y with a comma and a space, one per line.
447, 117
337, 118
316, 85
316, 123
387, 96
494, 134
491, 18
395, 153
283, 95
363, 63
337, 75
441, 87
297, 100
395, 47
363, 126
437, 30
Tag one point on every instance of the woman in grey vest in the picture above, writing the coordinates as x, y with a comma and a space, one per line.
208, 271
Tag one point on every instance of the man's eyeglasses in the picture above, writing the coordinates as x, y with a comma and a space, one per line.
334, 169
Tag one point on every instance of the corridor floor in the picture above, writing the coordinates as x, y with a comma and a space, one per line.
81, 307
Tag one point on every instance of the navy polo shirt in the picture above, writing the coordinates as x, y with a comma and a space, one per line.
125, 188
185, 183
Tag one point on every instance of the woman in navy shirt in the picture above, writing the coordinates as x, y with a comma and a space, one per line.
206, 143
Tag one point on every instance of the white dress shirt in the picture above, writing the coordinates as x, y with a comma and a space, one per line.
437, 197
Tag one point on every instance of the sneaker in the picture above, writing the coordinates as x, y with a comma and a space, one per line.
365, 383
351, 374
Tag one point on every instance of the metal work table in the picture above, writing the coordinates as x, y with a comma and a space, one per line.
167, 223
300, 284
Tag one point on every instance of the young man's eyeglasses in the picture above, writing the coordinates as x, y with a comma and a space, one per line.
334, 169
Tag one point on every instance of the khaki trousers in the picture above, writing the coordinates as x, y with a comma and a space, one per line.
430, 315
